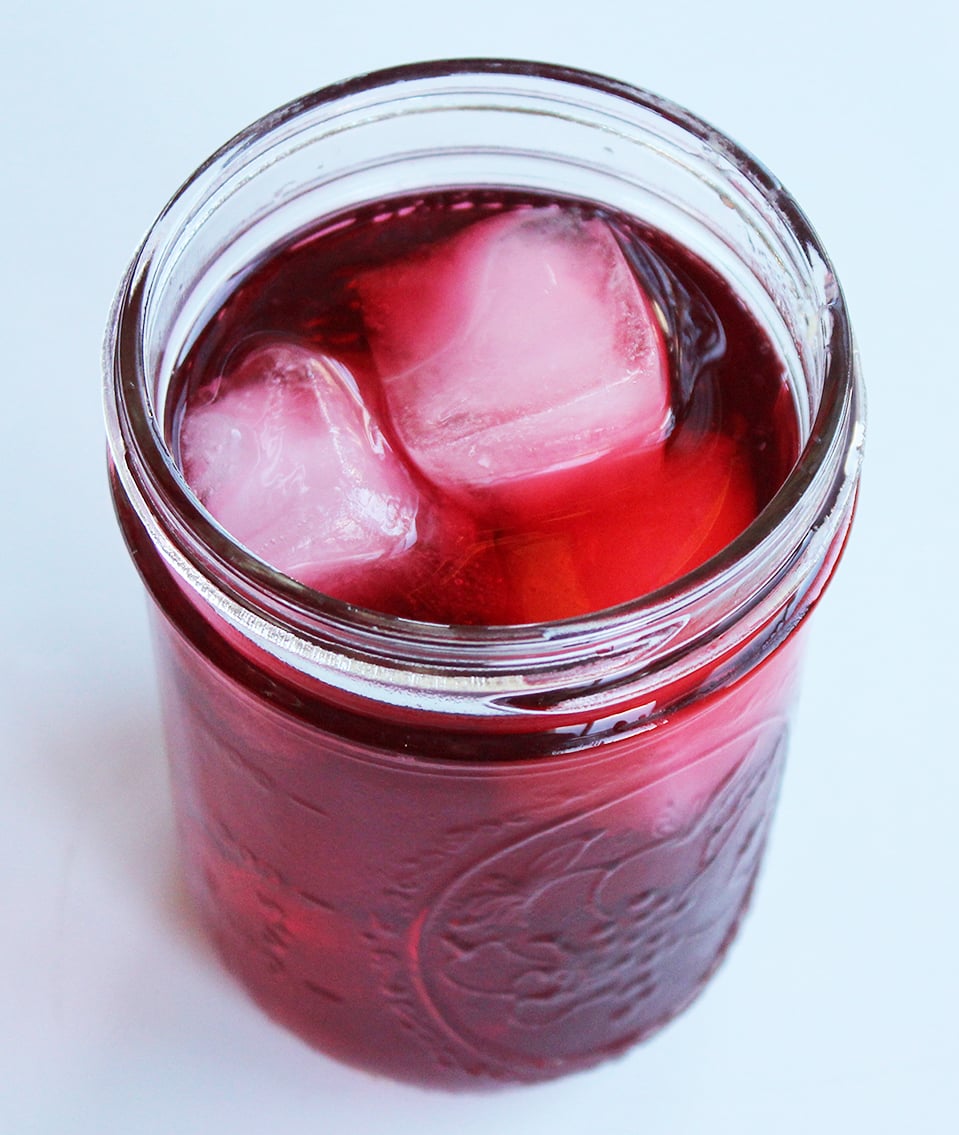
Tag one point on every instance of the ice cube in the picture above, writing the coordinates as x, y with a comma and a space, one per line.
521, 346
283, 453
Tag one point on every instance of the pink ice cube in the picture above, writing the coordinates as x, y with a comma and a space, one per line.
282, 452
523, 345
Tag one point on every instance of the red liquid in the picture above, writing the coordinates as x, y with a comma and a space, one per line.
440, 901
530, 548
460, 909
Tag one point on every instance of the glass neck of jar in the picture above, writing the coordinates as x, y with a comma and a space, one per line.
522, 126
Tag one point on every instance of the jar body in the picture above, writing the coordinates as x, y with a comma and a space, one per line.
467, 856
467, 921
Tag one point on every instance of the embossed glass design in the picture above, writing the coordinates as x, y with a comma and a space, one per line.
477, 855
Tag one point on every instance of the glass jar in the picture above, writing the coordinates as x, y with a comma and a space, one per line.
476, 855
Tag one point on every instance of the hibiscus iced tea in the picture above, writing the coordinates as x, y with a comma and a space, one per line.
480, 531
409, 410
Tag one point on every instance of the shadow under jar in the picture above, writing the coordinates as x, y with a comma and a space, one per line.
469, 855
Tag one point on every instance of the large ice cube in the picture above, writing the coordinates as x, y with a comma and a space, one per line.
282, 452
520, 346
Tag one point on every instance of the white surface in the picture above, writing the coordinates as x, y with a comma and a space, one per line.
837, 1009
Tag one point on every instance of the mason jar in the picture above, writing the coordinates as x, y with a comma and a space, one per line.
472, 855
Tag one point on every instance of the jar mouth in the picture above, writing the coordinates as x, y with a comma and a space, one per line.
754, 572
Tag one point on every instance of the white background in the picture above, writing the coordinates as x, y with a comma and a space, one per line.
837, 1009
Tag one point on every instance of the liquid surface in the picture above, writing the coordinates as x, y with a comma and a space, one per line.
478, 409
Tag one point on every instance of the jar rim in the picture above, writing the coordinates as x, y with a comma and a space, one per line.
300, 621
